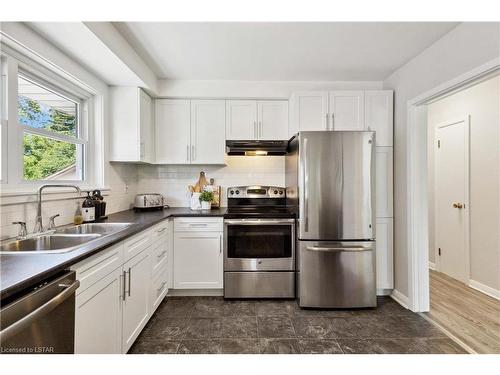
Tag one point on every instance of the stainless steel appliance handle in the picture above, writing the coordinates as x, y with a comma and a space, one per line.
47, 307
337, 249
306, 194
257, 222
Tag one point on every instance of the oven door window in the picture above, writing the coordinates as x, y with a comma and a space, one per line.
259, 241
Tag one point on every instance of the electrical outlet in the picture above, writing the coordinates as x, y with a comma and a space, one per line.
126, 189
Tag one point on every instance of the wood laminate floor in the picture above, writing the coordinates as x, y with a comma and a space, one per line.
469, 315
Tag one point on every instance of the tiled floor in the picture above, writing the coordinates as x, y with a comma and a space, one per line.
214, 325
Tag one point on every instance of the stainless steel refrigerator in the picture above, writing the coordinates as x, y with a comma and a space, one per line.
330, 183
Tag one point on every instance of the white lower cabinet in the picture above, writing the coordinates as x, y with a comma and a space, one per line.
137, 277
120, 289
198, 253
384, 253
98, 317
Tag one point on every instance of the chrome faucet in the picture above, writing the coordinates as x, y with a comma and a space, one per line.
38, 223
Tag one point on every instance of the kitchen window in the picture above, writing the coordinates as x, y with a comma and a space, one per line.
52, 135
52, 128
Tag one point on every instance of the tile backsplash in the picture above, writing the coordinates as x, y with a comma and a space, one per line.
126, 180
122, 182
172, 180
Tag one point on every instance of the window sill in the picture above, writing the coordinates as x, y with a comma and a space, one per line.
10, 196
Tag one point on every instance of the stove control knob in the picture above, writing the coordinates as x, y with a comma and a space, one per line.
231, 192
281, 192
237, 192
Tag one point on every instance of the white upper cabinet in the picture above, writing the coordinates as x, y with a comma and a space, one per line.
309, 111
208, 131
272, 119
173, 131
251, 119
241, 119
190, 131
347, 110
379, 115
131, 119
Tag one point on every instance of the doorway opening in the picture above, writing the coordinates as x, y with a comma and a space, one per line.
463, 216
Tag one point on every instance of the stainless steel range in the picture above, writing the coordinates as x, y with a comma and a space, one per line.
259, 244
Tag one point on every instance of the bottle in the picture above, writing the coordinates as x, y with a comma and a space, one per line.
88, 209
78, 218
96, 197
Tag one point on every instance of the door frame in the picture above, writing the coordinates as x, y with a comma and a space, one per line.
416, 176
466, 120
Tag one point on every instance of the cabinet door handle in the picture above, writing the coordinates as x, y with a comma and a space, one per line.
260, 130
220, 244
193, 154
124, 274
162, 254
333, 121
187, 153
327, 122
160, 230
255, 129
129, 280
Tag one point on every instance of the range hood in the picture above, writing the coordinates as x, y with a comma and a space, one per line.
256, 148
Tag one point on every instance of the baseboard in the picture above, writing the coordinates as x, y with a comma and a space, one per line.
384, 292
432, 266
400, 298
195, 292
494, 293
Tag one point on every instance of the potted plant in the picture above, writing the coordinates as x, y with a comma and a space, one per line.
206, 198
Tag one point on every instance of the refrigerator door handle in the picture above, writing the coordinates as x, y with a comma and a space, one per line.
306, 194
337, 249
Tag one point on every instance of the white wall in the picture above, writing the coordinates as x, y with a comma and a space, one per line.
253, 89
480, 102
172, 180
464, 48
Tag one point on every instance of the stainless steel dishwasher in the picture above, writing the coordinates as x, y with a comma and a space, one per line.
42, 319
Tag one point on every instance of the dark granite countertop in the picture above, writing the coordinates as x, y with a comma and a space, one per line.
20, 271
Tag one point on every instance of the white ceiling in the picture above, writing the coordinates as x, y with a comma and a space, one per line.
279, 51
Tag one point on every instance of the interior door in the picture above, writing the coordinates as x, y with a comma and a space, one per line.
347, 110
272, 119
208, 129
241, 120
451, 206
173, 134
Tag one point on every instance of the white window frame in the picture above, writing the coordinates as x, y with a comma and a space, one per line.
79, 139
12, 182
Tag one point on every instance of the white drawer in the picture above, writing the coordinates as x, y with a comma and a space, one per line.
159, 255
136, 244
198, 224
159, 289
92, 269
160, 230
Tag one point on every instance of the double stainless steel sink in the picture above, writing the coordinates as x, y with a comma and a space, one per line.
62, 240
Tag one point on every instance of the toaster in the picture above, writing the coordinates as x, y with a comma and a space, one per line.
149, 201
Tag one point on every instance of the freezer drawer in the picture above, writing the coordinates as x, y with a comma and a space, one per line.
336, 274
259, 284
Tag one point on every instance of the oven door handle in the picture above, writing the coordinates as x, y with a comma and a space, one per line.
257, 222
47, 307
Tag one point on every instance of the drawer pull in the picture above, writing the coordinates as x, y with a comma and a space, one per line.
161, 230
159, 256
162, 286
198, 225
